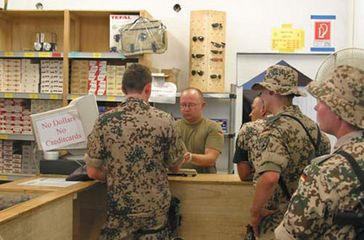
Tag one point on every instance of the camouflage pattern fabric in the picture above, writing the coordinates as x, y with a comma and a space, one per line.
248, 140
286, 148
327, 186
280, 79
347, 101
136, 143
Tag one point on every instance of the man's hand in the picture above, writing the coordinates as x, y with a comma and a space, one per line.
257, 216
187, 157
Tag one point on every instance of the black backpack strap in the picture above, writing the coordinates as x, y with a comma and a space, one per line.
284, 188
355, 166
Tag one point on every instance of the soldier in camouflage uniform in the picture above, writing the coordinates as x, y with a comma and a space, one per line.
329, 185
131, 147
245, 154
285, 149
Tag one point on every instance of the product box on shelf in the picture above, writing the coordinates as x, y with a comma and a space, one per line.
116, 23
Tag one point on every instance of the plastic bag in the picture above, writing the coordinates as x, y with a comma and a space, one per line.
143, 36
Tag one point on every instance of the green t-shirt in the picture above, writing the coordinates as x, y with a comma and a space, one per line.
198, 136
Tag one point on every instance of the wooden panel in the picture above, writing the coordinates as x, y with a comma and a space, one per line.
213, 211
5, 37
50, 221
89, 213
212, 65
24, 31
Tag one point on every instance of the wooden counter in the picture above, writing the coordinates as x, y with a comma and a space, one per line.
213, 206
55, 214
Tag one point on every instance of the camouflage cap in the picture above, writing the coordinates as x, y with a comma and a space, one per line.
343, 92
280, 79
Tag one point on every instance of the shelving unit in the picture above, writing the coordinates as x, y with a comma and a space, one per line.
81, 35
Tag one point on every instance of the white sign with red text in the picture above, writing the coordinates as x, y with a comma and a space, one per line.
323, 33
60, 130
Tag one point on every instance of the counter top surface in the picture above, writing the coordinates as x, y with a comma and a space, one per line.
210, 178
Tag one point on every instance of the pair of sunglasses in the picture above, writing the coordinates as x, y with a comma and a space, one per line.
199, 72
218, 45
214, 76
216, 52
197, 55
197, 38
216, 59
216, 25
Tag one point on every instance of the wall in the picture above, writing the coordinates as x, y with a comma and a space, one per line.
248, 30
249, 22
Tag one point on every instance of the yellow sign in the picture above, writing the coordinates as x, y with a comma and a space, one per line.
3, 178
29, 54
8, 54
45, 54
287, 39
4, 136
8, 95
33, 95
96, 55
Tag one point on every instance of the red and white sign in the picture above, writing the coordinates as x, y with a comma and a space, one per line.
60, 130
322, 30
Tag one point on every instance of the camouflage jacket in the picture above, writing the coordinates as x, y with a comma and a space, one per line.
248, 141
286, 148
136, 143
327, 186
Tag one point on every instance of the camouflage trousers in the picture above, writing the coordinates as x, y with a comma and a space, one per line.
136, 228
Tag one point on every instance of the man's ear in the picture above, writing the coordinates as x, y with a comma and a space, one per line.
148, 89
124, 90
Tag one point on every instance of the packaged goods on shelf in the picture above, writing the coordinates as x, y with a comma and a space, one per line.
79, 77
42, 105
29, 76
10, 157
97, 77
15, 116
114, 76
51, 80
11, 75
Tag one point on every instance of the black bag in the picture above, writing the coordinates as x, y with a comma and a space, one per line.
174, 216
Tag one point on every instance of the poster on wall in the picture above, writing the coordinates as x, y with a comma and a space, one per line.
323, 33
287, 39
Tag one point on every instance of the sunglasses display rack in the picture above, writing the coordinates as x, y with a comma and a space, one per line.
207, 50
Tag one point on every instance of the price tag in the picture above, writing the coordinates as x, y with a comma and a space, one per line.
8, 54
74, 54
29, 54
3, 178
56, 54
96, 55
8, 95
73, 96
111, 98
4, 136
33, 95
45, 54
53, 97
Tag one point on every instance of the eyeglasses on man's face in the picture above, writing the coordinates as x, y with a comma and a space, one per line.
188, 105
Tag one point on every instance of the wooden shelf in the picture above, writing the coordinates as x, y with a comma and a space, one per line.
22, 137
95, 55
31, 95
30, 54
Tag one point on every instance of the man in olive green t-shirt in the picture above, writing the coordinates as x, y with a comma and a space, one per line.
203, 137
